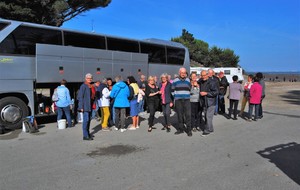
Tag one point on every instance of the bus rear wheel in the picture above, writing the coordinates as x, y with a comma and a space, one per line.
12, 110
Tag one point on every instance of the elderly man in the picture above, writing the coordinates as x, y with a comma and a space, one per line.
86, 103
181, 91
208, 93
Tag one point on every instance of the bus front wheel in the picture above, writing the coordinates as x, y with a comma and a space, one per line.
12, 110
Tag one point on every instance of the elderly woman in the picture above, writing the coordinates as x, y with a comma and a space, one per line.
152, 93
166, 100
134, 91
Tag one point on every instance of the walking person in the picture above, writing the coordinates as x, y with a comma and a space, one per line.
64, 102
208, 93
256, 91
86, 103
120, 93
235, 90
195, 106
104, 103
152, 93
181, 88
166, 101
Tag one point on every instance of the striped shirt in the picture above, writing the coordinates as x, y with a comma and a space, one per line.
181, 88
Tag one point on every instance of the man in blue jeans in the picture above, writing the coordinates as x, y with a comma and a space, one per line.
64, 102
86, 102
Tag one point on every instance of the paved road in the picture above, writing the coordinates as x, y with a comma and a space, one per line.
239, 155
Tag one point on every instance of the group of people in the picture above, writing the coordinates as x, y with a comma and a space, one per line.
195, 99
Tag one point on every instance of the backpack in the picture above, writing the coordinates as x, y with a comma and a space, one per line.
55, 96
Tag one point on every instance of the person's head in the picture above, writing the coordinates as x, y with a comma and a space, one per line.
250, 78
63, 82
256, 79
109, 81
221, 74
143, 78
118, 78
88, 78
194, 77
164, 77
169, 77
259, 75
131, 79
104, 81
211, 73
182, 73
97, 83
151, 80
204, 75
235, 78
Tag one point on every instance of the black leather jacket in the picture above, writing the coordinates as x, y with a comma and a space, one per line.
211, 87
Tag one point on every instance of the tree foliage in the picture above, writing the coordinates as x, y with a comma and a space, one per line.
49, 12
208, 57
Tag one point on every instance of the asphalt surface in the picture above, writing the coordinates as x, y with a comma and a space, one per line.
238, 155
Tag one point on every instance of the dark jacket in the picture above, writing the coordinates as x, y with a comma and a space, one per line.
223, 83
212, 90
168, 92
84, 98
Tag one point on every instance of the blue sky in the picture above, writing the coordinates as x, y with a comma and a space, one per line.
264, 33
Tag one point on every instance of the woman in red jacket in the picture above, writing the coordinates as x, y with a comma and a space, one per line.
254, 99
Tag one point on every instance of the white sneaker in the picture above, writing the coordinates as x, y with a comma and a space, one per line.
122, 130
137, 127
116, 128
131, 128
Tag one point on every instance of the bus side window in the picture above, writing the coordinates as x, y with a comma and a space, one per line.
175, 56
23, 40
122, 45
157, 53
227, 72
84, 40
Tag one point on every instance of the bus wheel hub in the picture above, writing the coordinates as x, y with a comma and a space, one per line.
11, 113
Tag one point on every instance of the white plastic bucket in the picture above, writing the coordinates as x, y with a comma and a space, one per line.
61, 123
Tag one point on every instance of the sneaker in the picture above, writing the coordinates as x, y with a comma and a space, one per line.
194, 130
123, 130
190, 134
131, 128
234, 118
106, 129
204, 134
116, 128
198, 129
249, 119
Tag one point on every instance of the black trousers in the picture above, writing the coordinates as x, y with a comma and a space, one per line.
183, 110
234, 104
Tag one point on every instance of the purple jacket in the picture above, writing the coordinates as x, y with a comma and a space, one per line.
235, 90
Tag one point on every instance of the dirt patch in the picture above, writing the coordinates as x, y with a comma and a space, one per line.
114, 150
283, 94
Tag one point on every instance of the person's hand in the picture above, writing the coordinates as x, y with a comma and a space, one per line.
81, 110
171, 104
203, 93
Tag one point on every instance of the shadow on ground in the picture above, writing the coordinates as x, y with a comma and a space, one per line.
292, 97
286, 157
281, 114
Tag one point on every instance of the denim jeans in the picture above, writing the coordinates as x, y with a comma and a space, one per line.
167, 112
183, 110
256, 107
86, 124
217, 104
141, 106
67, 111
